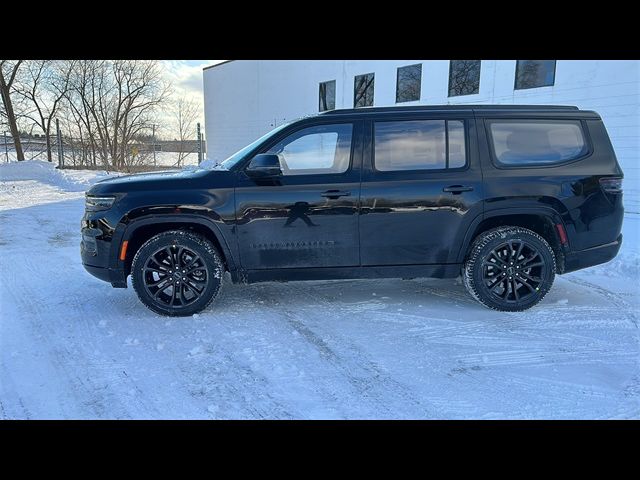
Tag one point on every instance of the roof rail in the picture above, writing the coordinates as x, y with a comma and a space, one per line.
420, 108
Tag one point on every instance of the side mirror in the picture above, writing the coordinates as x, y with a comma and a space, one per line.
264, 165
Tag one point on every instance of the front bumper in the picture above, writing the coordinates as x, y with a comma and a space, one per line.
592, 256
116, 278
96, 256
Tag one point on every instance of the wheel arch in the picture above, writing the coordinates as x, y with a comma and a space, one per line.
541, 220
142, 229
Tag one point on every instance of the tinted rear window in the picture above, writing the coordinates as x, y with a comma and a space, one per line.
536, 142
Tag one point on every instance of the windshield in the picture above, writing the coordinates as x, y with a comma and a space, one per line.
240, 154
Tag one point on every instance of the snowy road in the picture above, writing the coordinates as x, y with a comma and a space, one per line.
73, 347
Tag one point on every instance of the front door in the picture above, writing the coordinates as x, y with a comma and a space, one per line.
421, 188
308, 217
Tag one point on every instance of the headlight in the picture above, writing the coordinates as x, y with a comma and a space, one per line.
98, 203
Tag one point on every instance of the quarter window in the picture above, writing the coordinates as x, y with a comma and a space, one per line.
535, 73
408, 83
535, 142
363, 90
327, 94
320, 149
464, 77
419, 145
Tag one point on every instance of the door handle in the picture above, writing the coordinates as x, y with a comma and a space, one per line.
335, 194
457, 189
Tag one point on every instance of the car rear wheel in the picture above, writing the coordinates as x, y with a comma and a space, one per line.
509, 268
177, 273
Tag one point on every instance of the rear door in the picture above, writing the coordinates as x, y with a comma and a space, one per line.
421, 188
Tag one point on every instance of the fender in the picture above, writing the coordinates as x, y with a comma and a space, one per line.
125, 231
539, 210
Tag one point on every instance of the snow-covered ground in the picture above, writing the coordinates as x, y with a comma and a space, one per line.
73, 347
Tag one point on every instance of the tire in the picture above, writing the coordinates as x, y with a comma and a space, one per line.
501, 280
167, 291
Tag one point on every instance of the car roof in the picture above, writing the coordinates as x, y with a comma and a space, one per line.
483, 110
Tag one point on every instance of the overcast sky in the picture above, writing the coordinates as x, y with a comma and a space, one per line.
186, 79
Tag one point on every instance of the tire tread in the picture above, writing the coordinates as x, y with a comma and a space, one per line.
477, 247
159, 238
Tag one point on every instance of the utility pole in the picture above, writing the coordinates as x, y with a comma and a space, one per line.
60, 151
6, 148
153, 137
199, 141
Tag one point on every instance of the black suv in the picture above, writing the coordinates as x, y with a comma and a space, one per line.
506, 196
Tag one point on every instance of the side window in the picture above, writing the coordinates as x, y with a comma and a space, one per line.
315, 150
419, 145
536, 142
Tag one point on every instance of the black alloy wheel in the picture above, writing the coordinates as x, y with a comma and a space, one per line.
177, 273
509, 268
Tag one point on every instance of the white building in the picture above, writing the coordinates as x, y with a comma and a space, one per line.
246, 98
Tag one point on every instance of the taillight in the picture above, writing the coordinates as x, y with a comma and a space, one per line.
611, 184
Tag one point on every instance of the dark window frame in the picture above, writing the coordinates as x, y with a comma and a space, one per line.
515, 80
355, 80
320, 95
293, 129
424, 171
464, 94
504, 166
398, 83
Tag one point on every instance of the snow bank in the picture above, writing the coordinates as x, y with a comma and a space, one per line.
45, 172
625, 265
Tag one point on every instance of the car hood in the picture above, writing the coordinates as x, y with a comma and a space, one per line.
165, 180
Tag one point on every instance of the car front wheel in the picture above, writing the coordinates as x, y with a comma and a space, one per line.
509, 268
177, 273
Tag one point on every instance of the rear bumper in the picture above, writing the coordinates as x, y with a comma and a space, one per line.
592, 256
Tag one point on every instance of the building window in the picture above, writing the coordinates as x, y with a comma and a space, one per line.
327, 100
315, 150
408, 83
535, 73
464, 77
363, 90
536, 142
419, 145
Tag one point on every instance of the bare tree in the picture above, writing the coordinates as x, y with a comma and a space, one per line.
111, 104
85, 76
185, 115
104, 106
8, 72
44, 86
127, 94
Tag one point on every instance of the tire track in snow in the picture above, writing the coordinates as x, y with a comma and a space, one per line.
445, 403
72, 368
93, 380
624, 308
378, 388
230, 385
